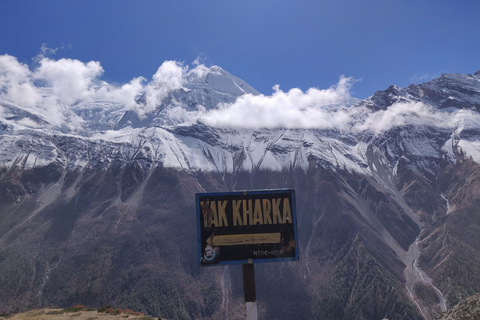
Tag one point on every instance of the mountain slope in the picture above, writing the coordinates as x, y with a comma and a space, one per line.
467, 309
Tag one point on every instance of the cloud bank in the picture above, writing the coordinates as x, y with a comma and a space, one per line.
70, 80
16, 82
57, 89
293, 109
417, 114
52, 88
332, 108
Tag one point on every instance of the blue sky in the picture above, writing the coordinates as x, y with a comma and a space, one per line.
291, 43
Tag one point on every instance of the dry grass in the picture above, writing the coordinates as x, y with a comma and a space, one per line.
61, 314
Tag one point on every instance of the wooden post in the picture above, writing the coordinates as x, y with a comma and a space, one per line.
249, 291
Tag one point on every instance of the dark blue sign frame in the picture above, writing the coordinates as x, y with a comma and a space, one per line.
246, 226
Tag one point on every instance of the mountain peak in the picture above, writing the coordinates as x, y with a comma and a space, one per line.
217, 79
217, 69
449, 90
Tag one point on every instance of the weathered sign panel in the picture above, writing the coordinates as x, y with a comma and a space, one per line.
234, 227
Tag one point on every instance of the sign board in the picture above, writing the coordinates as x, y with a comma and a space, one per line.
234, 227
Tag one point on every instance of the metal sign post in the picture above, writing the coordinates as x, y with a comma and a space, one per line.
249, 291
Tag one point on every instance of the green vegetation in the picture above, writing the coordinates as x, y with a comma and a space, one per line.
76, 308
56, 312
110, 310
73, 309
104, 308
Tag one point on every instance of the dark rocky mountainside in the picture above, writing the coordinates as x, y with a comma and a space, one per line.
467, 309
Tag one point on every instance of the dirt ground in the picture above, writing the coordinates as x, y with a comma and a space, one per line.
58, 314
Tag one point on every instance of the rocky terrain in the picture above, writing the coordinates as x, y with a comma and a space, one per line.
465, 310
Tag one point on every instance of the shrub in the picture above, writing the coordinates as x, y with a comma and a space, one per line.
113, 311
130, 311
77, 308
56, 312
104, 308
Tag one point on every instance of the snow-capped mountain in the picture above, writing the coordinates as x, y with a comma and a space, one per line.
177, 129
102, 189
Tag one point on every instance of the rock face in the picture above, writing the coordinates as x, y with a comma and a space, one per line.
467, 309
388, 220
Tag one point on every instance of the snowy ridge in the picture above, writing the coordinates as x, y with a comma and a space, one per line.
99, 132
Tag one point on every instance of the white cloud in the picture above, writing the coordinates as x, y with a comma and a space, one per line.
169, 77
415, 113
52, 88
127, 93
44, 52
69, 79
197, 73
330, 109
399, 114
314, 108
200, 70
15, 82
